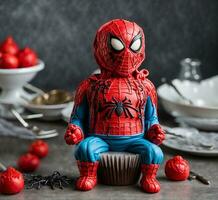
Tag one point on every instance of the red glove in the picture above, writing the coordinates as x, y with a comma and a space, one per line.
156, 134
73, 134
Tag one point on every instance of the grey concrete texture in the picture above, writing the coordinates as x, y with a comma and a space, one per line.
62, 32
61, 158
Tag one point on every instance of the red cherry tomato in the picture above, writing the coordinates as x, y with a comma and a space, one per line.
28, 162
39, 148
8, 61
9, 46
11, 181
27, 57
177, 169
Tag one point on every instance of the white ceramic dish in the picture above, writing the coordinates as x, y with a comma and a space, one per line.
67, 112
13, 80
203, 94
192, 141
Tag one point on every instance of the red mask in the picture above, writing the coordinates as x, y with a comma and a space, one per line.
119, 47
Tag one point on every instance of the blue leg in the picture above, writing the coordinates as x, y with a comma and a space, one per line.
150, 153
89, 149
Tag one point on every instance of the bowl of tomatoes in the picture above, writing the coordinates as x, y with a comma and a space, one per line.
17, 67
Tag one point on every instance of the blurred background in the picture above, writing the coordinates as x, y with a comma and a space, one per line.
62, 33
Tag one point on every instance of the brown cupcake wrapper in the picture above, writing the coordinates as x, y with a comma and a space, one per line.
119, 168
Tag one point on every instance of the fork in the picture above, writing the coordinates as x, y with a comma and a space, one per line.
40, 133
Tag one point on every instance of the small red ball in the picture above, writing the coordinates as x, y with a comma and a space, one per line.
39, 148
28, 162
27, 57
9, 46
8, 61
177, 169
11, 181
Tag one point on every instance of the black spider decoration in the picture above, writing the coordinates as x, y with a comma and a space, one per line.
56, 180
118, 107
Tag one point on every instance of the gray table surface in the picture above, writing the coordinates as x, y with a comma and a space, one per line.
61, 158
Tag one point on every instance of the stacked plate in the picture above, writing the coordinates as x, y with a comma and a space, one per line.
202, 113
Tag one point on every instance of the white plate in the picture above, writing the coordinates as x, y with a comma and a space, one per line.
67, 112
200, 123
203, 94
50, 112
192, 141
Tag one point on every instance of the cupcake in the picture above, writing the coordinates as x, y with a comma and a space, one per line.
119, 168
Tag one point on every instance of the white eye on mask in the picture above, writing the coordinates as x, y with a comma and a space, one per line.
136, 45
116, 44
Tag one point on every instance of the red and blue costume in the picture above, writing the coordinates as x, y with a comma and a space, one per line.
116, 109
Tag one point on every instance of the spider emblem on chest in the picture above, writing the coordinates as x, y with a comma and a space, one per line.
118, 107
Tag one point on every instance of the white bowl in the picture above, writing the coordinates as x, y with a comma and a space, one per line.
204, 95
12, 81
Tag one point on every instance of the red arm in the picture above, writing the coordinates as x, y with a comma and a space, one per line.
75, 130
154, 131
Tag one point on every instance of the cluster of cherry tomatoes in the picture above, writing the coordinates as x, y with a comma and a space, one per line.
12, 57
11, 180
30, 161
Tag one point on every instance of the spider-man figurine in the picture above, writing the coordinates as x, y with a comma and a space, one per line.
116, 109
